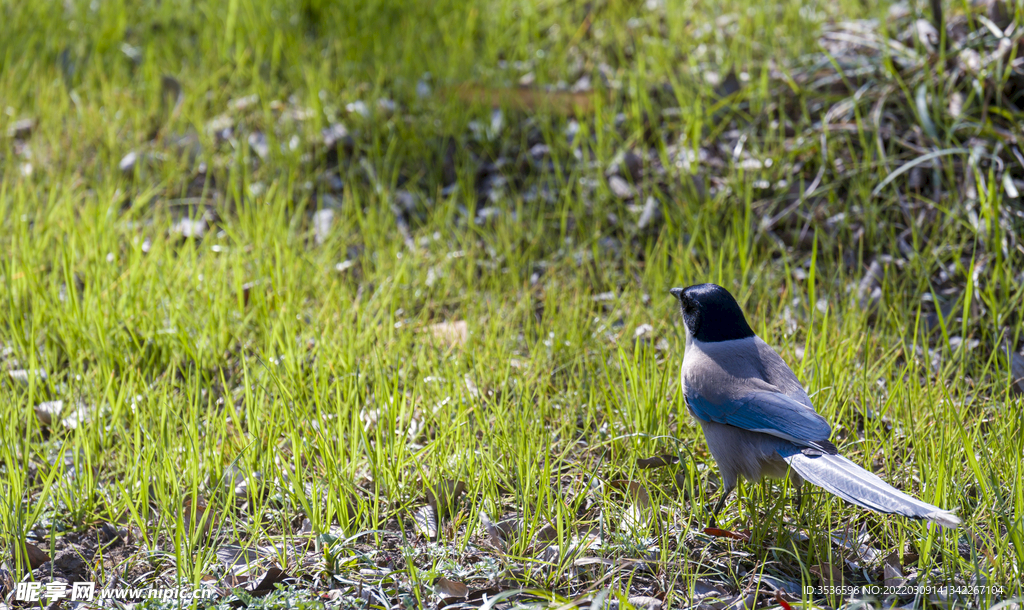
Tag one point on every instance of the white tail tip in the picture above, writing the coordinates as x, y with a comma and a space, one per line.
944, 518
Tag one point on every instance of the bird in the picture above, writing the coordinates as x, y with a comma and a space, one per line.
757, 418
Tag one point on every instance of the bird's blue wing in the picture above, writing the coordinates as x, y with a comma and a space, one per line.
768, 412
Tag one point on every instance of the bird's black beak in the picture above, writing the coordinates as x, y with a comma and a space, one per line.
677, 292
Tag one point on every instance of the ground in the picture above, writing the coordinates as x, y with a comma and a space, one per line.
366, 304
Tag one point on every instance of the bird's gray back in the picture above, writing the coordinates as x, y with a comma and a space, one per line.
725, 370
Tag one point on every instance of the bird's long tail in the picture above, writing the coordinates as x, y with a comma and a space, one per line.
841, 477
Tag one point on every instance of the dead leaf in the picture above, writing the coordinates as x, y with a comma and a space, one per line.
829, 575
857, 544
243, 103
21, 129
258, 143
550, 554
657, 461
322, 221
22, 376
620, 188
35, 555
445, 497
635, 490
336, 135
196, 509
969, 61
348, 511
893, 571
128, 162
451, 333
638, 514
171, 93
477, 595
425, 521
471, 386
493, 534
546, 534
1016, 368
956, 104
720, 533
781, 600
498, 533
240, 561
927, 35
644, 601
589, 561
728, 86
450, 588
82, 414
47, 411
651, 215
270, 578
236, 481
6, 582
705, 588
869, 291
681, 479
189, 228
633, 519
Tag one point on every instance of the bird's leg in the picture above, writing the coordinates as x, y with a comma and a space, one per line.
718, 505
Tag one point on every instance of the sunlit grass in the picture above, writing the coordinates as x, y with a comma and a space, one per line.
237, 385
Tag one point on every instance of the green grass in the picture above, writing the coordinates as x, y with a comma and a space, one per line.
247, 356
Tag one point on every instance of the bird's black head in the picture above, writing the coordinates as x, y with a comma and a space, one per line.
711, 314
